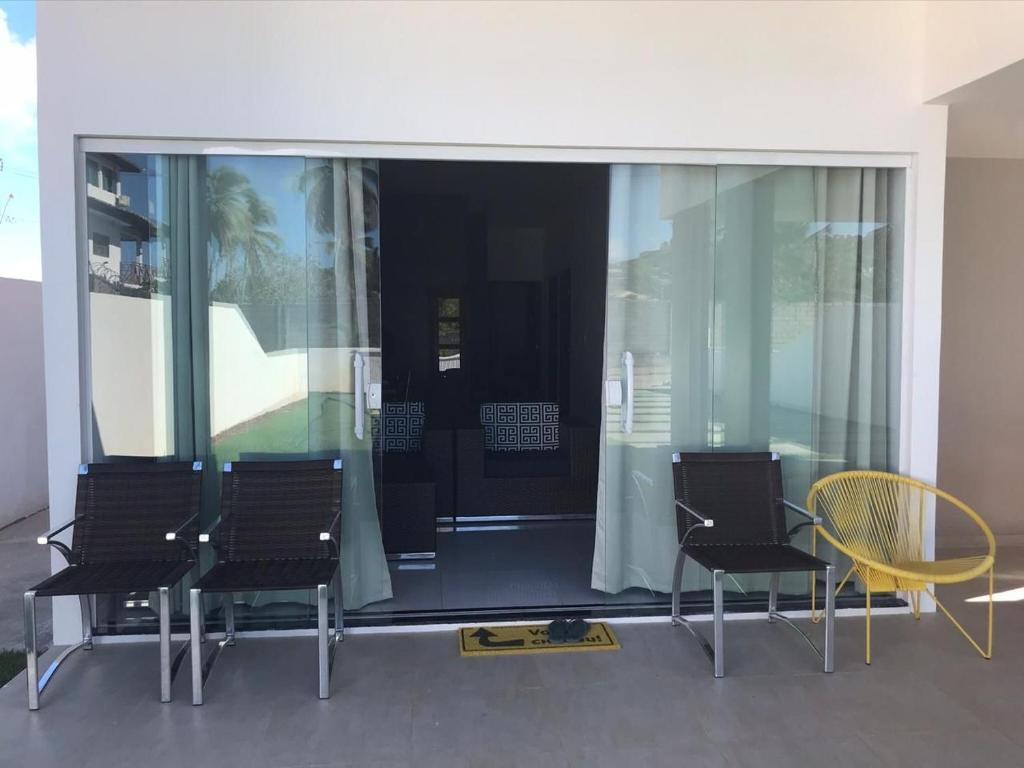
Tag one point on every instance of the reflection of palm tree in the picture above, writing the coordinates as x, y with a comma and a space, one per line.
242, 224
317, 184
342, 206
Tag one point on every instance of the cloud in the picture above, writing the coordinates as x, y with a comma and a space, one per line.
18, 98
19, 178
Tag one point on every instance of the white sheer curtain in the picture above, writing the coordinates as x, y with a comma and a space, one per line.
344, 280
761, 305
661, 246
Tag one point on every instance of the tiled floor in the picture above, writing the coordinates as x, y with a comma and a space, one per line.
487, 567
410, 700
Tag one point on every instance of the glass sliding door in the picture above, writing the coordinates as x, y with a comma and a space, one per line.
235, 315
344, 355
140, 409
657, 395
749, 308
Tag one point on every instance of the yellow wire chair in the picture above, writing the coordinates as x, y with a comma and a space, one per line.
877, 519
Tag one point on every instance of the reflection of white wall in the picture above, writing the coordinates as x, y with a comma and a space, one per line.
245, 381
132, 390
132, 394
22, 406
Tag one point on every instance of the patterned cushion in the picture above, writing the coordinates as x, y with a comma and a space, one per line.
400, 427
520, 426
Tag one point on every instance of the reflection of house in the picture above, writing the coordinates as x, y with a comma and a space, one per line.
116, 232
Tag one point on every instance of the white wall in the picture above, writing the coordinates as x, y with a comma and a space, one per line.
484, 79
23, 479
969, 39
982, 363
986, 117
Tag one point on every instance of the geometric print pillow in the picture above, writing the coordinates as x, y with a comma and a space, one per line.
401, 427
520, 426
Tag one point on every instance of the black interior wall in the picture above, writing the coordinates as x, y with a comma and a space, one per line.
524, 246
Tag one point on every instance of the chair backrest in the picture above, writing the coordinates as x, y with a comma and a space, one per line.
124, 511
876, 515
741, 492
520, 426
274, 510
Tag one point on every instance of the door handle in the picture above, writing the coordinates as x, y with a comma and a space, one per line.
627, 384
357, 366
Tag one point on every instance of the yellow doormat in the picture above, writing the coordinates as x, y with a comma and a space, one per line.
531, 638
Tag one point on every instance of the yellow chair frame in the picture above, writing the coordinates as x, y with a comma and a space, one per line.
877, 520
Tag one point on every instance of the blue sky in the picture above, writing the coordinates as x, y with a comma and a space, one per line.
19, 175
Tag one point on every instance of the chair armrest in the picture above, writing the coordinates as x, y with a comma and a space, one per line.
706, 522
186, 544
205, 536
328, 535
802, 512
173, 535
45, 538
809, 519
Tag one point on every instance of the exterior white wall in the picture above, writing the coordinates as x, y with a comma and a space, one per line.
982, 364
488, 79
968, 39
23, 477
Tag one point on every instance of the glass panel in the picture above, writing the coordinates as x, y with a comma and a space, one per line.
134, 331
660, 267
807, 303
792, 277
130, 317
229, 297
343, 231
257, 329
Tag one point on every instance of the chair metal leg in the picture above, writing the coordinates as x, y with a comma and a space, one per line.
229, 618
339, 606
719, 608
773, 597
991, 600
985, 654
165, 644
31, 651
867, 623
677, 586
195, 599
830, 618
85, 603
321, 633
202, 625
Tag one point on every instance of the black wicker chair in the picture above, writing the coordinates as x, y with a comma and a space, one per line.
135, 530
280, 529
731, 518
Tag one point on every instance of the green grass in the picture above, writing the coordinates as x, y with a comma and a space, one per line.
285, 430
312, 424
11, 663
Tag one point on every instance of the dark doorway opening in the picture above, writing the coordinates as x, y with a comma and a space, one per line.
493, 304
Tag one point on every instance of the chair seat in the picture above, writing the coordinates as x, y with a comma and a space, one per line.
754, 558
107, 578
949, 570
252, 575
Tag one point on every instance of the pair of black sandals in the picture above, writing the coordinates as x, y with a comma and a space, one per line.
568, 630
